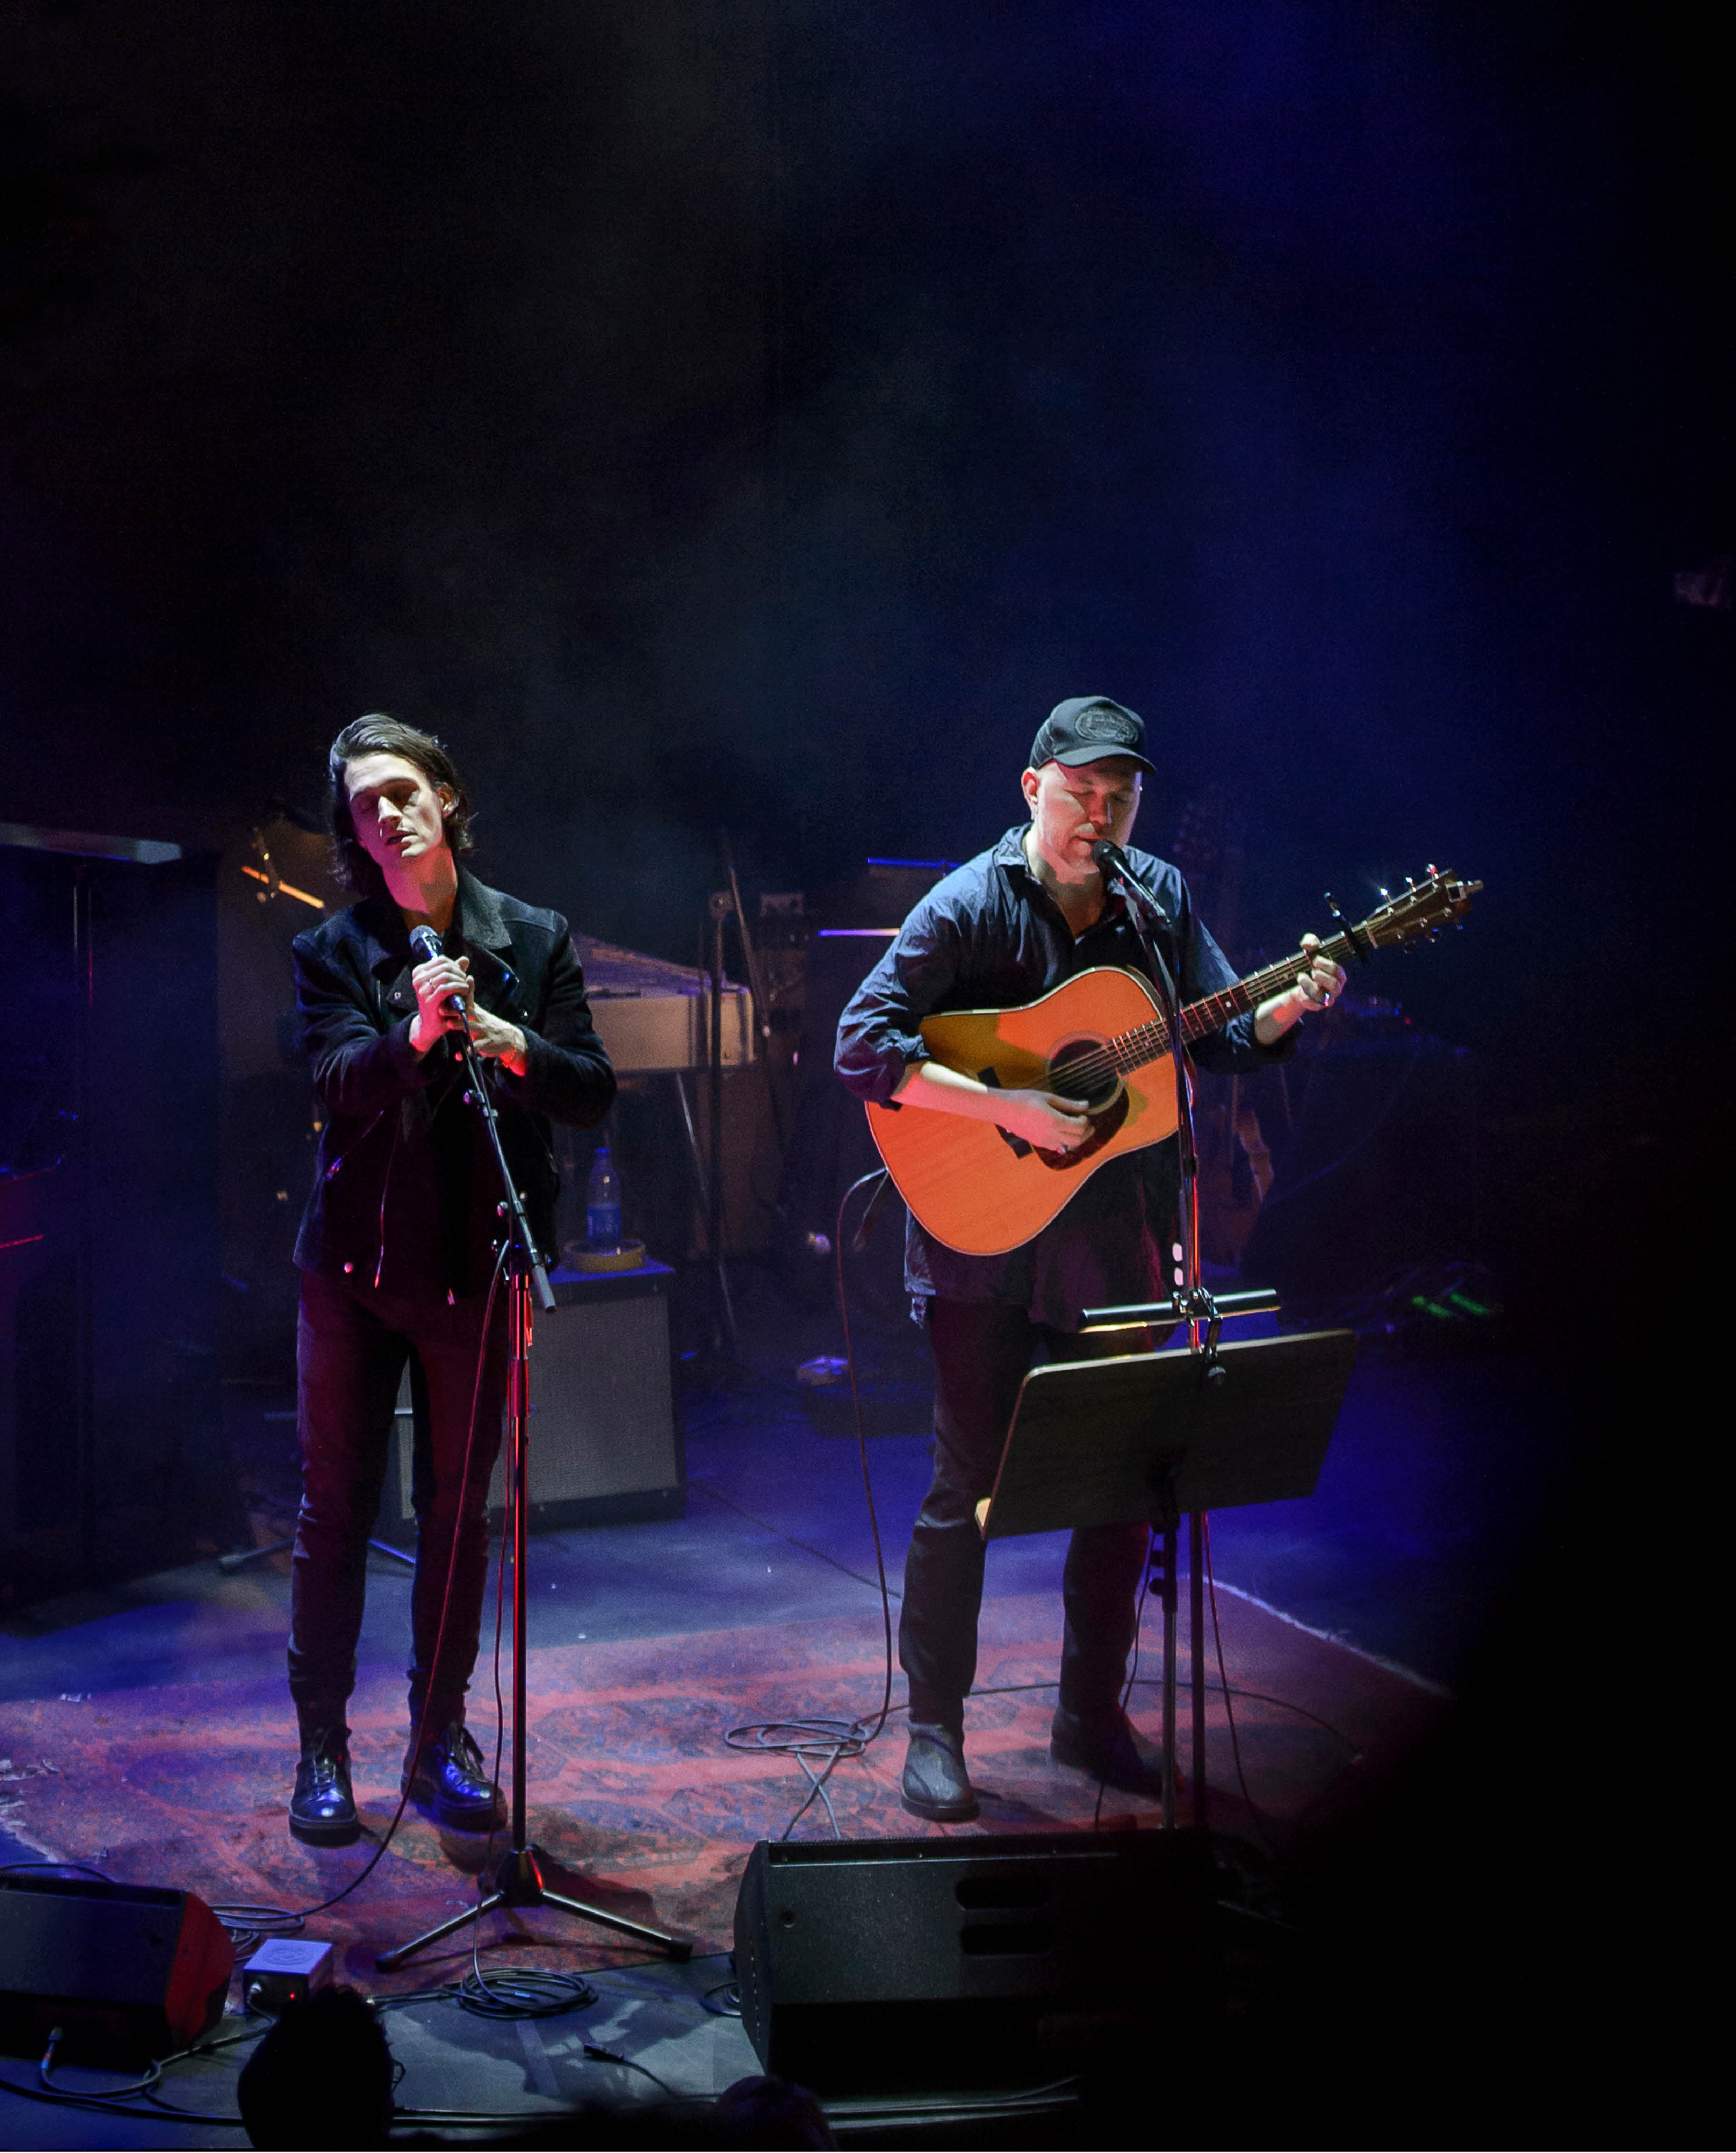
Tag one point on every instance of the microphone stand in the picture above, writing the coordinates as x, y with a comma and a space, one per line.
519, 1880
1196, 1306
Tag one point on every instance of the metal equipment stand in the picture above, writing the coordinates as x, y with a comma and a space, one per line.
1153, 1437
1161, 1577
723, 1326
519, 1879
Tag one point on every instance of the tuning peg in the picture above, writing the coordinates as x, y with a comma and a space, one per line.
1433, 871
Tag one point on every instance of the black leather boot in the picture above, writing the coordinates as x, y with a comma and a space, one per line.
1111, 1749
448, 1782
322, 1810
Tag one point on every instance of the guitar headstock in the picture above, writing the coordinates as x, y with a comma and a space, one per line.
1419, 911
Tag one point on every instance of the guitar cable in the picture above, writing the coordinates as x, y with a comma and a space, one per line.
810, 1740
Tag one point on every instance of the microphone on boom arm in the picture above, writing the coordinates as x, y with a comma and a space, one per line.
426, 944
1112, 860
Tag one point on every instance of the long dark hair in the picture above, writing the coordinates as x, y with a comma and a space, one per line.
378, 735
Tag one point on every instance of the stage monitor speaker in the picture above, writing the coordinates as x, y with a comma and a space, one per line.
606, 1443
934, 1965
126, 1971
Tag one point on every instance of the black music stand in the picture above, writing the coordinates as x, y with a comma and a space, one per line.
1149, 1438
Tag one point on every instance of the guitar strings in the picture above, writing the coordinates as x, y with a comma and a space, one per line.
1145, 1042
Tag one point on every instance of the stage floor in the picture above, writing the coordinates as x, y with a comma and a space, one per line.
147, 1729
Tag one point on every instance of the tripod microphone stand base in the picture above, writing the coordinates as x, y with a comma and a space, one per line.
518, 1882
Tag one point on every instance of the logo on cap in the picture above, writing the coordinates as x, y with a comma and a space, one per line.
1099, 724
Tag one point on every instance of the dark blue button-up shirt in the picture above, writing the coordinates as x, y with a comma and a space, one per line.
990, 936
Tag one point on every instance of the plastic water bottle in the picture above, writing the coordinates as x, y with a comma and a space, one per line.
603, 1202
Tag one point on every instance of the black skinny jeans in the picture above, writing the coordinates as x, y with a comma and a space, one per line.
351, 1348
982, 1352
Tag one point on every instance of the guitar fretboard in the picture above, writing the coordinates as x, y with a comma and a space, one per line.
1146, 1042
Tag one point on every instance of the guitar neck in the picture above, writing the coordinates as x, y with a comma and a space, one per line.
1211, 1012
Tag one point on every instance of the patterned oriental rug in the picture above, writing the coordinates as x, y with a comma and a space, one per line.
640, 1804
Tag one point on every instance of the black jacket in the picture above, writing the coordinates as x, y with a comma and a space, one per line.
405, 1188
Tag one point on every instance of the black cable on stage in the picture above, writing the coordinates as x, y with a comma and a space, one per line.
523, 1992
476, 1982
510, 1991
833, 1739
1096, 1814
108, 2101
627, 2063
1258, 1821
101, 2105
1150, 1682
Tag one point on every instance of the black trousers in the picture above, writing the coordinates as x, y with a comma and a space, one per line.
982, 1351
351, 1348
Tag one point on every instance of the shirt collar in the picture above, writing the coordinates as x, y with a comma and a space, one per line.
1009, 853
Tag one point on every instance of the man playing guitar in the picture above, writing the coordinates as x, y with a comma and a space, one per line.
1005, 928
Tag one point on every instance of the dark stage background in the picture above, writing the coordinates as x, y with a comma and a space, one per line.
763, 413
758, 415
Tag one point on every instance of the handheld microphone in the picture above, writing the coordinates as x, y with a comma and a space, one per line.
426, 944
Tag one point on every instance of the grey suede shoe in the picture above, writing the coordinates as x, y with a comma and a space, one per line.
1112, 1750
935, 1784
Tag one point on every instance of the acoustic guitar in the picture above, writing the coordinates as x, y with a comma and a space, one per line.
1098, 1038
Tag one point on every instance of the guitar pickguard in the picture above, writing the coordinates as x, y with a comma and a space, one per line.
1103, 1126
1016, 1145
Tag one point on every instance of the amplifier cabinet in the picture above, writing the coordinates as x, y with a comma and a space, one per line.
916, 1966
606, 1443
126, 1971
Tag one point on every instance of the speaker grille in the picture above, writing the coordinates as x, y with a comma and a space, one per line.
916, 1965
602, 1413
604, 1442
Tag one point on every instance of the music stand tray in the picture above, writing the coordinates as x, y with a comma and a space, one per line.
1144, 1438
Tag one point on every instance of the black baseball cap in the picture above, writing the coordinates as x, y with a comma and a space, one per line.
1089, 729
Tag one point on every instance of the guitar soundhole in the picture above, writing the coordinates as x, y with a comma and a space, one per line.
1094, 1089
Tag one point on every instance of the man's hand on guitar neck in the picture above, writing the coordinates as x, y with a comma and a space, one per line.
1043, 1118
1317, 988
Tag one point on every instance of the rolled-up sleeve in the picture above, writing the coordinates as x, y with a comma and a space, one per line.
877, 1036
